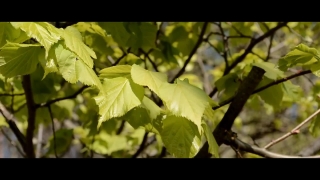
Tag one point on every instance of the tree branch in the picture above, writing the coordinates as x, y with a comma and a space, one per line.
198, 43
53, 132
141, 148
293, 131
248, 50
12, 142
266, 86
26, 84
10, 119
6, 94
121, 57
238, 144
74, 95
245, 90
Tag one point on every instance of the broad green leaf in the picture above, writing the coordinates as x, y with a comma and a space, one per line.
153, 109
116, 71
114, 142
146, 115
228, 84
86, 74
139, 117
184, 99
9, 33
213, 146
271, 71
62, 141
38, 32
180, 137
121, 95
19, 59
291, 90
272, 95
143, 77
117, 31
300, 55
314, 127
149, 33
72, 69
74, 42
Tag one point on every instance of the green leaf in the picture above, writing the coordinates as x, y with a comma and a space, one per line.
117, 31
184, 99
271, 71
153, 109
38, 32
19, 59
213, 146
116, 71
147, 78
62, 142
291, 90
314, 127
228, 84
300, 55
74, 42
272, 95
146, 115
73, 70
118, 96
180, 137
114, 143
9, 33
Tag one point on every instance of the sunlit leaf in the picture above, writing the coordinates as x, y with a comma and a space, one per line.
213, 146
181, 137
272, 95
147, 78
72, 69
271, 71
184, 99
121, 95
74, 42
39, 32
19, 59
300, 55
116, 71
9, 33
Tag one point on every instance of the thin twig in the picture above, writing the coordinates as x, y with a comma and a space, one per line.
238, 31
195, 48
163, 152
123, 122
269, 48
141, 147
261, 151
293, 131
53, 131
248, 50
6, 94
74, 95
265, 87
12, 142
225, 45
121, 57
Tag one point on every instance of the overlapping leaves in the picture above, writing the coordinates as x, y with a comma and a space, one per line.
186, 104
